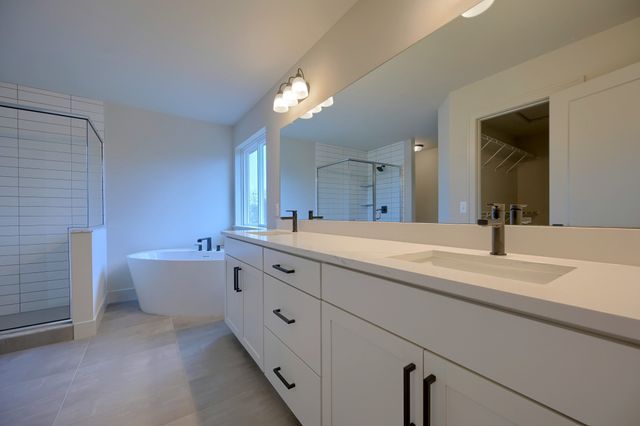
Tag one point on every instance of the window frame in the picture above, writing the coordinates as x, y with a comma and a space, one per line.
255, 143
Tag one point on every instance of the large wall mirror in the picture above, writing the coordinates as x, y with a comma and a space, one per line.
534, 104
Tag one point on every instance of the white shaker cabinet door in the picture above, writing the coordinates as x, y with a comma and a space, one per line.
233, 307
455, 396
250, 285
369, 376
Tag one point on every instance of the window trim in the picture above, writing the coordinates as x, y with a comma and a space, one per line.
255, 142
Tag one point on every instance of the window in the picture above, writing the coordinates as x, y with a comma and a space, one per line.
251, 181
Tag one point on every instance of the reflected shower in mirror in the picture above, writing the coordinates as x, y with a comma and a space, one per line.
532, 104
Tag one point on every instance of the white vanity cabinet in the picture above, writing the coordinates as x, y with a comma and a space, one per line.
343, 348
369, 376
455, 396
244, 301
373, 377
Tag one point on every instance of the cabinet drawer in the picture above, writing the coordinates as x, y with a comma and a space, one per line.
294, 317
593, 380
296, 383
297, 271
248, 253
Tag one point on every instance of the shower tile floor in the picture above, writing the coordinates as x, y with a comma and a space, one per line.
140, 370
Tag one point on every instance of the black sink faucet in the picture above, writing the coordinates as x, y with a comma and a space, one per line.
496, 221
311, 216
293, 218
209, 242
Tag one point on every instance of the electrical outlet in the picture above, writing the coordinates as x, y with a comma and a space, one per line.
463, 206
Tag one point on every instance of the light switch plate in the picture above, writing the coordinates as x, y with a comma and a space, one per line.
463, 206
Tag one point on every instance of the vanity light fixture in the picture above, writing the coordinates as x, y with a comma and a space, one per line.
328, 102
316, 109
478, 9
418, 147
291, 92
279, 105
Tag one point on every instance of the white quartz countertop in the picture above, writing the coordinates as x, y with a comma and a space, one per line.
599, 297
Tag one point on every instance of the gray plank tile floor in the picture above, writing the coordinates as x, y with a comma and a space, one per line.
140, 370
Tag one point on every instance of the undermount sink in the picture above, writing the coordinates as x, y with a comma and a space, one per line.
268, 233
537, 273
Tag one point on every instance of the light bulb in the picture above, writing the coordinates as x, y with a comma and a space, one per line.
478, 9
307, 115
418, 147
316, 109
290, 99
328, 102
300, 87
279, 105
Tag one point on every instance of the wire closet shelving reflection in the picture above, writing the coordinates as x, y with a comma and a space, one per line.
516, 155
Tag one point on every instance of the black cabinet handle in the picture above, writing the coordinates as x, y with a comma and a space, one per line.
406, 403
282, 317
236, 283
281, 269
288, 385
426, 399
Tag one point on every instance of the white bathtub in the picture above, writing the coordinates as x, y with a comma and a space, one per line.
179, 282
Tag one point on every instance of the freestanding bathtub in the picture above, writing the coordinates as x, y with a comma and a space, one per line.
179, 282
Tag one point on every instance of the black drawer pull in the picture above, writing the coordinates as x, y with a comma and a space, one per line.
288, 385
426, 399
282, 317
406, 384
236, 283
281, 269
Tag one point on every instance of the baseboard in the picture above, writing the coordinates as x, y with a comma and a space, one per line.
85, 329
45, 334
123, 295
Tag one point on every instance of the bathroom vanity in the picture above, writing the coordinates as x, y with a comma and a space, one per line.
354, 331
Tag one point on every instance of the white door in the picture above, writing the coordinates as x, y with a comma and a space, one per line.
250, 286
369, 376
455, 396
233, 307
594, 149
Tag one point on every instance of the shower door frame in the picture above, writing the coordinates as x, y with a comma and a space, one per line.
373, 164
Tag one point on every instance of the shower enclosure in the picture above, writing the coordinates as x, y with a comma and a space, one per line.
50, 181
359, 190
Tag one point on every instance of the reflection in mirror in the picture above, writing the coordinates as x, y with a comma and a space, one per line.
533, 104
514, 157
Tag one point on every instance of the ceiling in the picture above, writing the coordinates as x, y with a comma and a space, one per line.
400, 99
204, 59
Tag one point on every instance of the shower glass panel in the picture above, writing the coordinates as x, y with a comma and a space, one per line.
50, 181
359, 190
388, 188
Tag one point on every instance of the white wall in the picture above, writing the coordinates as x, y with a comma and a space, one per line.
525, 83
426, 184
298, 178
370, 33
168, 182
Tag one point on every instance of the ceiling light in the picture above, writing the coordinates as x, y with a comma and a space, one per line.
307, 115
289, 97
300, 86
327, 103
278, 104
316, 109
478, 9
418, 147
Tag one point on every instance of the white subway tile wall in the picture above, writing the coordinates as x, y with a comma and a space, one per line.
48, 183
345, 190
